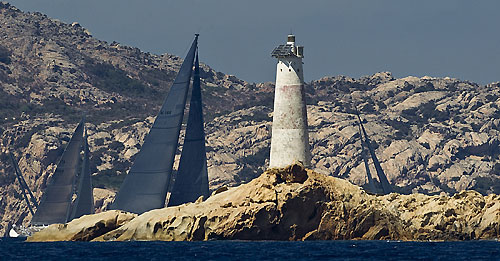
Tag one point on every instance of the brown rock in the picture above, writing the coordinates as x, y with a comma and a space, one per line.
295, 173
319, 208
84, 228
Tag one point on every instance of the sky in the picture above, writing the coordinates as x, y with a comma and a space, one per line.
445, 38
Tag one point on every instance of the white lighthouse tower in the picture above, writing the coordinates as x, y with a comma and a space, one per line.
290, 138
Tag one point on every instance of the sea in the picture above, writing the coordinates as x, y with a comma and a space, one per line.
18, 249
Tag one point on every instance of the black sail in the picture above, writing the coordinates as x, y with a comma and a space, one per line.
386, 186
371, 184
84, 203
55, 205
145, 186
191, 180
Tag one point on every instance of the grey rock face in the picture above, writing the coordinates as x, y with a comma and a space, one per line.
51, 73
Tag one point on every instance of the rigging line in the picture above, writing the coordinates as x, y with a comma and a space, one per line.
18, 170
21, 185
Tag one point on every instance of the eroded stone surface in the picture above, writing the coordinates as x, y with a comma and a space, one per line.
84, 228
319, 208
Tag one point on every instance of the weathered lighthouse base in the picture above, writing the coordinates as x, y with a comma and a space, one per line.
289, 146
294, 203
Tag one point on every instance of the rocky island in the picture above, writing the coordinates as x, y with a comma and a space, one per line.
435, 137
294, 203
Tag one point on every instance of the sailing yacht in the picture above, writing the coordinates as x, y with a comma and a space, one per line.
72, 176
191, 180
365, 141
150, 177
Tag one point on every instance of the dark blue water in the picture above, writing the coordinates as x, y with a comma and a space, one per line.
15, 249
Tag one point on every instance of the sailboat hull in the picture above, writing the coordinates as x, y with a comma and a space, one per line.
21, 231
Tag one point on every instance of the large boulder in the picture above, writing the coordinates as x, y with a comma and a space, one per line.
84, 228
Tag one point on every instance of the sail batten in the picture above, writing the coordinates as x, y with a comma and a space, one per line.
156, 156
191, 180
55, 205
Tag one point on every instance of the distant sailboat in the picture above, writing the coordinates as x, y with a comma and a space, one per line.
56, 205
365, 141
191, 180
146, 185
371, 184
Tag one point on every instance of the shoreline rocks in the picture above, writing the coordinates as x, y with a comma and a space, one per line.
84, 228
320, 207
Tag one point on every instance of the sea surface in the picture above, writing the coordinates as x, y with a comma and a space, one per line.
17, 249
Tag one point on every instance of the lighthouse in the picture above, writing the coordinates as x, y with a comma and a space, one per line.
290, 138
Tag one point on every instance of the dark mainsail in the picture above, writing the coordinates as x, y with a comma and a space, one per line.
386, 186
191, 180
55, 205
371, 184
145, 186
84, 203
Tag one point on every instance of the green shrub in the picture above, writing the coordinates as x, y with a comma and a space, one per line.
108, 179
109, 78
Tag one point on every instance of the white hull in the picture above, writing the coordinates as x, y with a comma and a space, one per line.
21, 231
13, 233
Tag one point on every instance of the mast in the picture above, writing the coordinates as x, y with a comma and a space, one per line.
56, 201
84, 203
145, 186
386, 186
22, 184
191, 180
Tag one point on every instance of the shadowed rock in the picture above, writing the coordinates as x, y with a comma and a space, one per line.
295, 173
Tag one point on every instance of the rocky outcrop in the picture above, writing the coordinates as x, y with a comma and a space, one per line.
297, 204
84, 228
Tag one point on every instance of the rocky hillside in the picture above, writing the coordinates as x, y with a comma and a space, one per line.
432, 135
51, 73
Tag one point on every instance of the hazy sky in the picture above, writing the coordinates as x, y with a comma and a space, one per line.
456, 38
